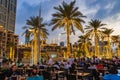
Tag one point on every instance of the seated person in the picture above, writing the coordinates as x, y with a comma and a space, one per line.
100, 68
113, 74
56, 65
14, 70
72, 68
12, 73
34, 75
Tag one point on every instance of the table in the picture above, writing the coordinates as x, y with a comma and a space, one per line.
81, 74
23, 78
79, 68
57, 73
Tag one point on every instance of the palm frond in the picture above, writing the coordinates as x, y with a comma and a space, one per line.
66, 14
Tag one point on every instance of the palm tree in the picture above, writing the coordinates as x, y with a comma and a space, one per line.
108, 32
67, 16
94, 30
33, 26
84, 43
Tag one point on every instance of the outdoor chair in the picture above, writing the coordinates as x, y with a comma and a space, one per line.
71, 77
48, 76
61, 76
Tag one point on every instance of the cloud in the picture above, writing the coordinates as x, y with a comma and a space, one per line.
30, 2
113, 22
106, 10
110, 6
74, 38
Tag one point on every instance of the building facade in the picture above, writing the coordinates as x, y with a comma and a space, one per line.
8, 41
8, 14
26, 52
3, 41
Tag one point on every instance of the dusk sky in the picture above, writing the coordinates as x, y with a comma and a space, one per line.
108, 11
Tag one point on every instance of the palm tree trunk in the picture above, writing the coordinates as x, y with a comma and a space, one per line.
11, 52
32, 53
86, 50
35, 47
13, 55
96, 44
109, 48
118, 51
68, 41
38, 43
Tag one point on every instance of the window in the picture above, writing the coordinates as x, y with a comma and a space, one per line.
1, 1
14, 9
5, 3
10, 6
14, 1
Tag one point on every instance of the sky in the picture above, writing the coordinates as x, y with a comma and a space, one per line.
107, 11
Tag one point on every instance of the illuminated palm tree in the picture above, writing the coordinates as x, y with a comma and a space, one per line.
108, 32
67, 16
33, 26
84, 43
94, 30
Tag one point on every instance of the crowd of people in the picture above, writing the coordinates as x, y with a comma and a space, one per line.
107, 68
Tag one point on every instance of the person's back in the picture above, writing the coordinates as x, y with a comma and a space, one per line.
111, 77
35, 78
34, 75
113, 74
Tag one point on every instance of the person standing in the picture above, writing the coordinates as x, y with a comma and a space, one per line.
50, 61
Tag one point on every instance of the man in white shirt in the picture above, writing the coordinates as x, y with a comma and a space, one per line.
50, 61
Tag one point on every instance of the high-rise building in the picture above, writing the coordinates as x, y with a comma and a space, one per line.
8, 14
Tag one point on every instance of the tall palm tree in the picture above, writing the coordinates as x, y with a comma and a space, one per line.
94, 30
67, 16
33, 26
84, 43
108, 32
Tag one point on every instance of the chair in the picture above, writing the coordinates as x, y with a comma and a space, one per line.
41, 67
14, 78
28, 71
91, 76
48, 76
61, 76
71, 77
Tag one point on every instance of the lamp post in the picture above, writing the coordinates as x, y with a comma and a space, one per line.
38, 54
65, 53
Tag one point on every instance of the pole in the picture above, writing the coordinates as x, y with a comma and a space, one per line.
32, 56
